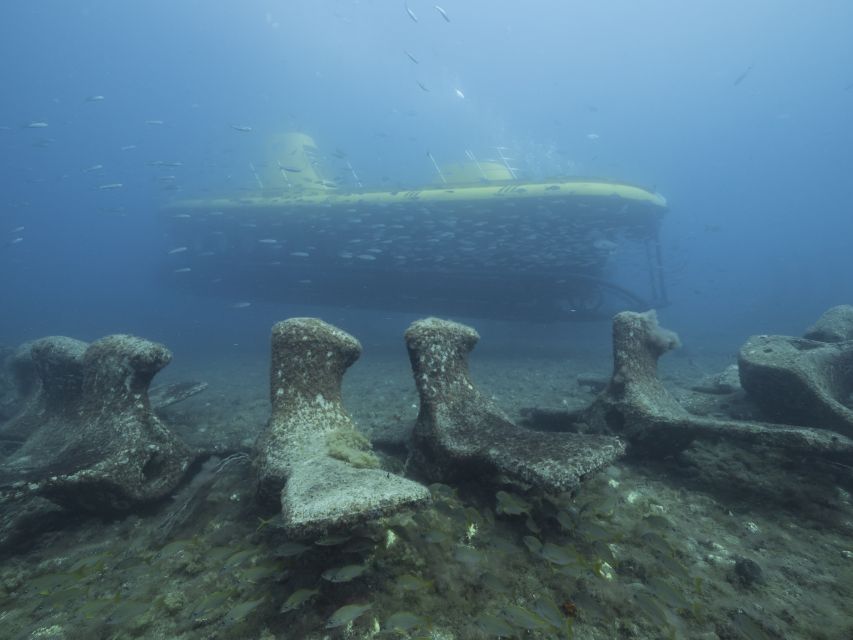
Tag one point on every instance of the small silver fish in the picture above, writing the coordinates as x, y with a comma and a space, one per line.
182, 270
165, 163
411, 13
241, 305
94, 167
742, 76
443, 13
94, 98
241, 127
177, 250
422, 86
111, 186
36, 125
297, 599
346, 614
344, 574
154, 122
128, 147
411, 57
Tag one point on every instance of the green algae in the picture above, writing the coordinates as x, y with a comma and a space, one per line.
351, 446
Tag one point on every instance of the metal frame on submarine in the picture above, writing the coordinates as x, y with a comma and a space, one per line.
479, 242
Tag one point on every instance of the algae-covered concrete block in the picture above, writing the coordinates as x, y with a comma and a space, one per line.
92, 441
48, 376
835, 325
311, 458
636, 404
18, 381
461, 434
800, 381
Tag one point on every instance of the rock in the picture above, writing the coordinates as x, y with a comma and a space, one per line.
460, 434
311, 458
635, 403
746, 573
638, 407
49, 377
92, 441
8, 389
835, 325
18, 379
800, 381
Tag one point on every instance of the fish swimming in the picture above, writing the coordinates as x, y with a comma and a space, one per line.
411, 57
742, 76
411, 13
443, 13
241, 127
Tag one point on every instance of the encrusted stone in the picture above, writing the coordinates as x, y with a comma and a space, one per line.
636, 405
460, 433
835, 325
310, 457
800, 381
91, 440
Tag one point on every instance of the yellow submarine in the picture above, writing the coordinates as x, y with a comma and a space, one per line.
476, 242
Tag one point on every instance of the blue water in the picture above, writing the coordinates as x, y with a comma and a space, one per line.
756, 167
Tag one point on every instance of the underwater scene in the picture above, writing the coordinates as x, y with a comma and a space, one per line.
353, 319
